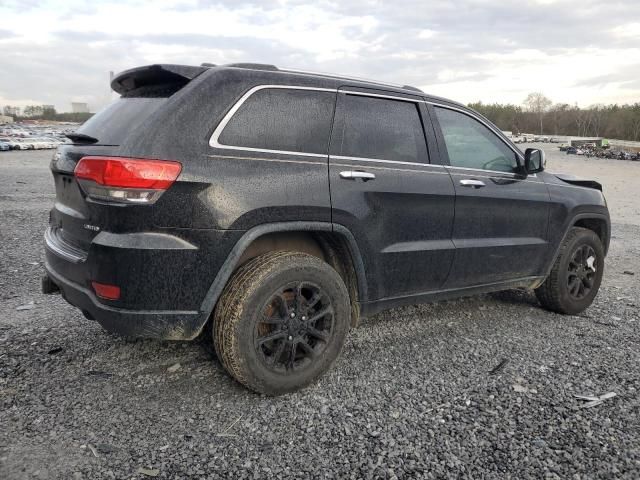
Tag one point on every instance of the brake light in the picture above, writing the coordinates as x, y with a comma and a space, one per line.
127, 180
106, 291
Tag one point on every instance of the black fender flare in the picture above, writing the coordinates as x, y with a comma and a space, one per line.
230, 264
570, 224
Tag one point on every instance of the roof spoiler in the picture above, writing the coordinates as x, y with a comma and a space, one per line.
159, 74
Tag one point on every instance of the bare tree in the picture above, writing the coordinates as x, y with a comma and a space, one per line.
599, 114
536, 102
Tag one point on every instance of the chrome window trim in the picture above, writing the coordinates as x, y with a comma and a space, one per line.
214, 140
379, 95
495, 177
381, 160
373, 167
262, 159
510, 174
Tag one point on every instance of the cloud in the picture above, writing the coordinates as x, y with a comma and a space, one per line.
60, 51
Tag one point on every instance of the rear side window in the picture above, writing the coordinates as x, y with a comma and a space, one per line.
290, 120
112, 124
383, 129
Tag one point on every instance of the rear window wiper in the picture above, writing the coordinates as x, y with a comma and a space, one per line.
81, 138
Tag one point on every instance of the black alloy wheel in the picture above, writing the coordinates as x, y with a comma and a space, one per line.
281, 321
581, 272
294, 328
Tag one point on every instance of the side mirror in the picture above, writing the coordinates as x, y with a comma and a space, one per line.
534, 160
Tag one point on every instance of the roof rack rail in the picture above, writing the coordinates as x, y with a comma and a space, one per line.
346, 77
207, 64
253, 66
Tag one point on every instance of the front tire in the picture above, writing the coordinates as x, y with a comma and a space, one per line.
281, 322
576, 275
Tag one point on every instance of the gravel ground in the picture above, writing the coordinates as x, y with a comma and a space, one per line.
411, 396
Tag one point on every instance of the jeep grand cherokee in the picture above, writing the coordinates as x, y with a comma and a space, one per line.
277, 208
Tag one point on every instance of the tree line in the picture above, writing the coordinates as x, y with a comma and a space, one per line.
538, 114
44, 112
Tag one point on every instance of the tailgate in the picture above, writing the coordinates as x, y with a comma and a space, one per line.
70, 220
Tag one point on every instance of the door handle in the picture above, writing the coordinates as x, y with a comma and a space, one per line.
472, 183
355, 174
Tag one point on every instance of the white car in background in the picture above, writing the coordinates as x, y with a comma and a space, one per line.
22, 144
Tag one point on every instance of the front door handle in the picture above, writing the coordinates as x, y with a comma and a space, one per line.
354, 174
472, 183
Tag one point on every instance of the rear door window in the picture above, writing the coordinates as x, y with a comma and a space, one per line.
282, 119
385, 129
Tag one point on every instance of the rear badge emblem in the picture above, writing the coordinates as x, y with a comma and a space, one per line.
91, 227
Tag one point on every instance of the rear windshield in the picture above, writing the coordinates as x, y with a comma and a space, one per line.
112, 124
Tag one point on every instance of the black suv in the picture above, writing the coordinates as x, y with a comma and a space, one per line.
277, 208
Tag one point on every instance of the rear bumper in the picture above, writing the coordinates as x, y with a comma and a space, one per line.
158, 324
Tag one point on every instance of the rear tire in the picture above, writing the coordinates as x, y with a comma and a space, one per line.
576, 275
281, 321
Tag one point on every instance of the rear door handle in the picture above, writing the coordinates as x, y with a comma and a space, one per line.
472, 183
355, 174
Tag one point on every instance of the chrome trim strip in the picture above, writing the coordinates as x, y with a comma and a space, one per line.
390, 97
514, 175
515, 178
376, 160
324, 164
62, 249
214, 140
433, 172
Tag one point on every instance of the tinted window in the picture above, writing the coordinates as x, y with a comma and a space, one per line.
113, 123
470, 144
384, 129
282, 119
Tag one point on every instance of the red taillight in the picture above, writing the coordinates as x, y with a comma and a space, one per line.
106, 291
123, 179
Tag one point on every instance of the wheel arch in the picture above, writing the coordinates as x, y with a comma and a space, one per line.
333, 243
599, 223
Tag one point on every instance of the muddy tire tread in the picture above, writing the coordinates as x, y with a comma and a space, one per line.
549, 294
229, 311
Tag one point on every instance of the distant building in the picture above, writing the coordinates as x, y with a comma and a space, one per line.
6, 119
579, 141
79, 107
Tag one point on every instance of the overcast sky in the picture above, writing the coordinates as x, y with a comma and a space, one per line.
574, 51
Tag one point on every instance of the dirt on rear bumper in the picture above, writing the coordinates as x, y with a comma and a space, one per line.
163, 324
